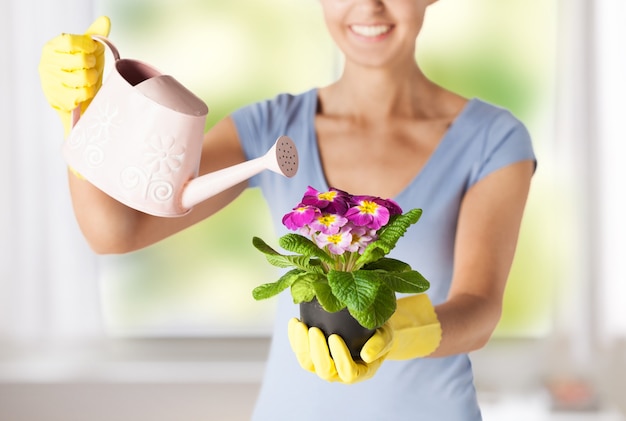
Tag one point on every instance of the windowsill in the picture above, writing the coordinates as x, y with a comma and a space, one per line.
204, 360
216, 363
536, 406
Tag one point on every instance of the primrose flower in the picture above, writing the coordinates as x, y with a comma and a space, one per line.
328, 223
366, 212
391, 205
332, 201
300, 217
361, 237
336, 243
339, 221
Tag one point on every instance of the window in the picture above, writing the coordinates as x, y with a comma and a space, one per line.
232, 53
504, 52
229, 53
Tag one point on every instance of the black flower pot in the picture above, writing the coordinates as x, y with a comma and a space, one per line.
342, 323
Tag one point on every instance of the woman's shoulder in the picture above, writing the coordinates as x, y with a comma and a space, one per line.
284, 114
496, 135
481, 112
277, 113
283, 102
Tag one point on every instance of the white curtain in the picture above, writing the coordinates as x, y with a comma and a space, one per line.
610, 141
592, 141
48, 282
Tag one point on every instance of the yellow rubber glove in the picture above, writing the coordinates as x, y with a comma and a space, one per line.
413, 331
70, 70
330, 360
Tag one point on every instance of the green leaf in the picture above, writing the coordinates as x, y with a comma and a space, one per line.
381, 309
326, 297
372, 253
302, 245
269, 290
388, 265
274, 257
399, 224
262, 246
357, 290
299, 261
406, 282
283, 261
388, 236
302, 290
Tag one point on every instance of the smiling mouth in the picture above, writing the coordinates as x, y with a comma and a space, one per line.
370, 31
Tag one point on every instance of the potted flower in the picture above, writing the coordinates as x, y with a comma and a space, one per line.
339, 266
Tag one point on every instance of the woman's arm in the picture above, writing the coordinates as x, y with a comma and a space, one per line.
111, 227
487, 234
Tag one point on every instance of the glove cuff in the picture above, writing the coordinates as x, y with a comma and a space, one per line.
417, 331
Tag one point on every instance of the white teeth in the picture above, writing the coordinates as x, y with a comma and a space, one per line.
370, 31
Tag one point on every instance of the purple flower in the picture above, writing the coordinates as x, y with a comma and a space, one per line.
332, 201
338, 221
366, 212
391, 205
300, 217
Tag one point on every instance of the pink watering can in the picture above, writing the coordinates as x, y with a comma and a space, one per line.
140, 142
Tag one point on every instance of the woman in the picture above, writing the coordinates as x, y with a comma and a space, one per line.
381, 129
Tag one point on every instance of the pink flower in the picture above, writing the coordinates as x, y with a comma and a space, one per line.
391, 205
333, 201
368, 213
361, 238
336, 243
339, 221
300, 217
328, 223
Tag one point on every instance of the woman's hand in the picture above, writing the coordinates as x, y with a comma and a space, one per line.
70, 70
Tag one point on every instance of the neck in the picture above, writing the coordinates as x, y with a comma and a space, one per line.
367, 92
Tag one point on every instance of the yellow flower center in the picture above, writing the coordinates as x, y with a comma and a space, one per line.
327, 220
329, 195
335, 238
368, 207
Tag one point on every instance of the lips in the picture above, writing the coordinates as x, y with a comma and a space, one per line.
370, 31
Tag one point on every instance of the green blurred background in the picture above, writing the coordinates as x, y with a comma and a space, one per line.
231, 53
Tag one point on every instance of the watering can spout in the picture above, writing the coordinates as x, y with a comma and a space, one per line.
282, 159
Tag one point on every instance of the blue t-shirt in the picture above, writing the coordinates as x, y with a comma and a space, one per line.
482, 139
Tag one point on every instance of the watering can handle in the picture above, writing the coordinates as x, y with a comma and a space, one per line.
116, 55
